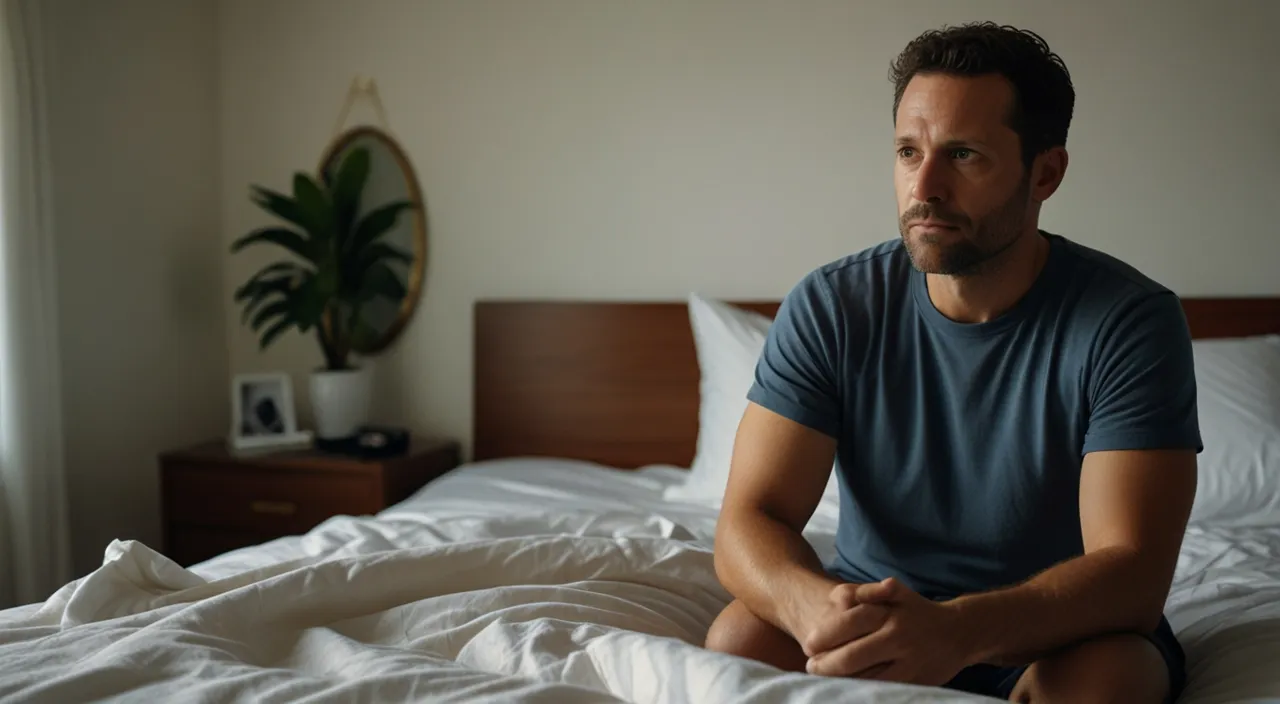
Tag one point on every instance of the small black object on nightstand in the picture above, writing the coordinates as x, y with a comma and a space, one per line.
369, 442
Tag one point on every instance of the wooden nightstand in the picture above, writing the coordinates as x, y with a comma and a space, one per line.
214, 501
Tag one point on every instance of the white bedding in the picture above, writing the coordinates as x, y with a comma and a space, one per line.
517, 580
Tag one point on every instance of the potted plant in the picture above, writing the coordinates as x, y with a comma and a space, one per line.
337, 264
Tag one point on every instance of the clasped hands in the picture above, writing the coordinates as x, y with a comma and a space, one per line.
885, 631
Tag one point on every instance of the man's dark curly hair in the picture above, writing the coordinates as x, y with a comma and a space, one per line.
1043, 97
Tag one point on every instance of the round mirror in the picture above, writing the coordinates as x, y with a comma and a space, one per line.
390, 180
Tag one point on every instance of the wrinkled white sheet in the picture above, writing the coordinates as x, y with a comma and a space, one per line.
518, 580
1225, 608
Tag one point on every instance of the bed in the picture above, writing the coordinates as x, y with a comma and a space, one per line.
562, 564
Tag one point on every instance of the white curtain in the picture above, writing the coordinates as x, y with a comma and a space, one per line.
34, 544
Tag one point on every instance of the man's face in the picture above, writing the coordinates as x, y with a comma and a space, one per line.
963, 194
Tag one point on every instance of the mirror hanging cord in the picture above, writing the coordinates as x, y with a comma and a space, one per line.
366, 88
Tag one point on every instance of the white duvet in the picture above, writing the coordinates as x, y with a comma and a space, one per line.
519, 580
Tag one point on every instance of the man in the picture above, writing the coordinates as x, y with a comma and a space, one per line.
1012, 417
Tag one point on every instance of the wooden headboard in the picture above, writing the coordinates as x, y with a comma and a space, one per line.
617, 383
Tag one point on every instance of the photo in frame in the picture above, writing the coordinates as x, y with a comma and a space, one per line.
263, 415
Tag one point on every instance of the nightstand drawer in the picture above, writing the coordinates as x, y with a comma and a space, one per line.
276, 503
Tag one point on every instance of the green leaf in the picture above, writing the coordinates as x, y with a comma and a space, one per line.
379, 252
280, 205
314, 207
308, 302
274, 310
279, 284
354, 268
375, 225
288, 239
363, 335
264, 291
380, 280
274, 331
254, 304
347, 187
327, 280
276, 268
286, 268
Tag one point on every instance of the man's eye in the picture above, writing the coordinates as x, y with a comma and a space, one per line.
906, 152
961, 154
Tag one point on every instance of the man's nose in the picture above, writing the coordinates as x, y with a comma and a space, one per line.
931, 185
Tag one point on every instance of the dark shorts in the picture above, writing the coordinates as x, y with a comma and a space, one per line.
994, 681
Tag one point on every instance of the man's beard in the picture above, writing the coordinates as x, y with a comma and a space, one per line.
990, 236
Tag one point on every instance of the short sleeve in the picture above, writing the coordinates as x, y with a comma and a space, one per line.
1142, 390
797, 375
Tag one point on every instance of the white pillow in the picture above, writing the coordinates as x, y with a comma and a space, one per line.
1238, 395
728, 340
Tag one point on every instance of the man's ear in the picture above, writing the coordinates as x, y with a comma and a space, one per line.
1047, 172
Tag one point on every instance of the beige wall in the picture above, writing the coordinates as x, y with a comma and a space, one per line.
133, 119
643, 149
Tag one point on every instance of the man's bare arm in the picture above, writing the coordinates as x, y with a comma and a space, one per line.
779, 471
1134, 507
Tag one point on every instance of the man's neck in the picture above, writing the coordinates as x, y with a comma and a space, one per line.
996, 288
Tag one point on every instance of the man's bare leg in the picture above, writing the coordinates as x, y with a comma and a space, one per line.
1115, 668
737, 631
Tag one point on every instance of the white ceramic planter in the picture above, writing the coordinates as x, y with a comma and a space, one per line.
340, 401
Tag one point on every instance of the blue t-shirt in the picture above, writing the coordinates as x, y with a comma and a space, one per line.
959, 446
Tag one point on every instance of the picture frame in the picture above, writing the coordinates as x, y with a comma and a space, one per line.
263, 415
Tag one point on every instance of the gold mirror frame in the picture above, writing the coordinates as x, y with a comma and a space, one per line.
417, 272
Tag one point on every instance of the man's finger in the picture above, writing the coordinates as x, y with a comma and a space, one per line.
845, 626
843, 596
879, 592
857, 656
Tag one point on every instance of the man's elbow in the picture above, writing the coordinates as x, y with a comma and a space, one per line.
1149, 595
724, 573
723, 555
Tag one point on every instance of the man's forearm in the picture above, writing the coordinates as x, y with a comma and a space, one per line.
771, 568
1106, 591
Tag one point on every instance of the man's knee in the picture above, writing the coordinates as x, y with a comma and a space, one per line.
737, 631
1118, 668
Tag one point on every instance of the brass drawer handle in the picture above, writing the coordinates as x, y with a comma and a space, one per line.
278, 508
